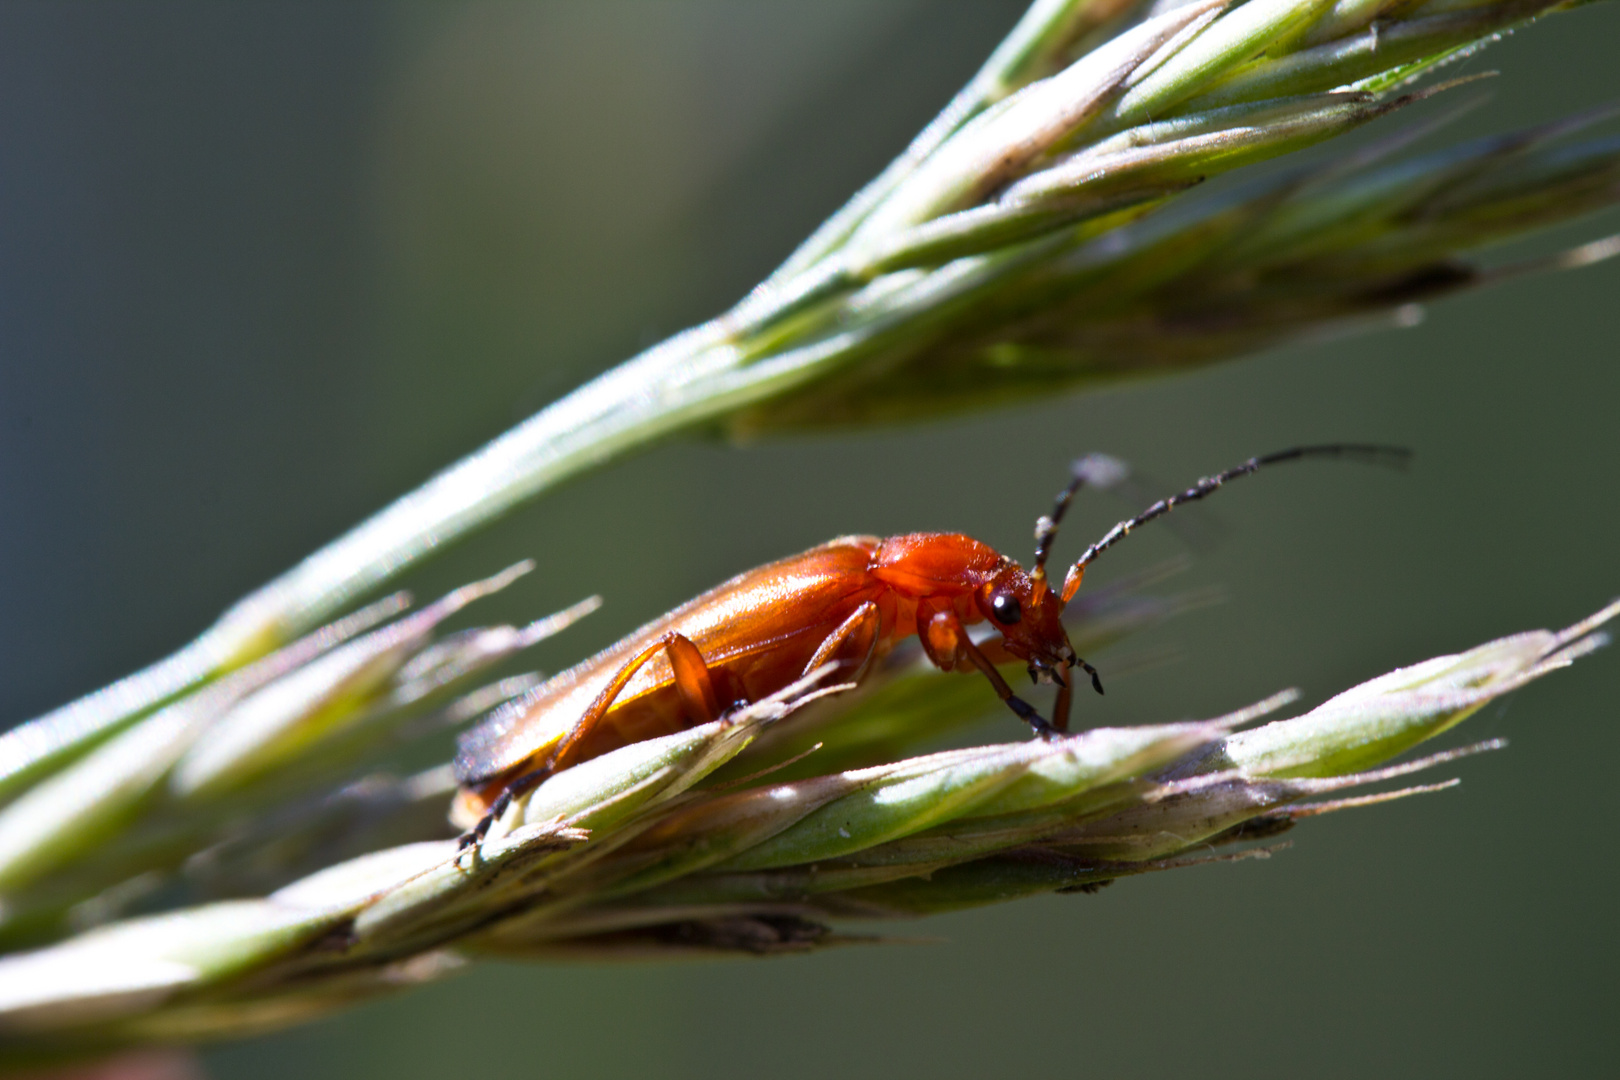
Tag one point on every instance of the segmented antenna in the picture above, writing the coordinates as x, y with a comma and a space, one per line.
1098, 470
1385, 455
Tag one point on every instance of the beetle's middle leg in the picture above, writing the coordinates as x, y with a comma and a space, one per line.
852, 645
693, 681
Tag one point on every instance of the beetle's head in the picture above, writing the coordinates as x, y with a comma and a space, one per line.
1029, 616
1025, 607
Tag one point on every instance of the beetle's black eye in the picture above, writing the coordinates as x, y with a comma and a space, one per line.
1005, 608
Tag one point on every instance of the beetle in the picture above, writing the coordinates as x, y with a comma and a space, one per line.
847, 602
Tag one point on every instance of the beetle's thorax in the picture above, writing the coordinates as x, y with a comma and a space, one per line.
925, 566
968, 576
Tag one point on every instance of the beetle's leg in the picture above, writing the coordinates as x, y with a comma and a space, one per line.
1096, 679
594, 713
1065, 694
1026, 712
692, 681
854, 642
946, 630
939, 632
477, 833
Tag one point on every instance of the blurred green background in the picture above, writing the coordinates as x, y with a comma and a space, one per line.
263, 267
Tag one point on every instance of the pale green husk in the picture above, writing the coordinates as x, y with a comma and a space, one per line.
631, 853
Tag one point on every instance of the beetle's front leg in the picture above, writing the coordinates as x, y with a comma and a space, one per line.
945, 638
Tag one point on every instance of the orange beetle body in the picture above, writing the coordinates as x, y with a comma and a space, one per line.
848, 601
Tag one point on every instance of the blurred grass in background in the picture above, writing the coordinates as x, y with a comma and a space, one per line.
269, 268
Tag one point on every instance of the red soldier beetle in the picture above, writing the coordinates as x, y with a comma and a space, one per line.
846, 602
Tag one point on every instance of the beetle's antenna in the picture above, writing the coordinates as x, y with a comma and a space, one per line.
1384, 455
1098, 470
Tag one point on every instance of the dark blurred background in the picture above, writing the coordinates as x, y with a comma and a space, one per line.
264, 267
